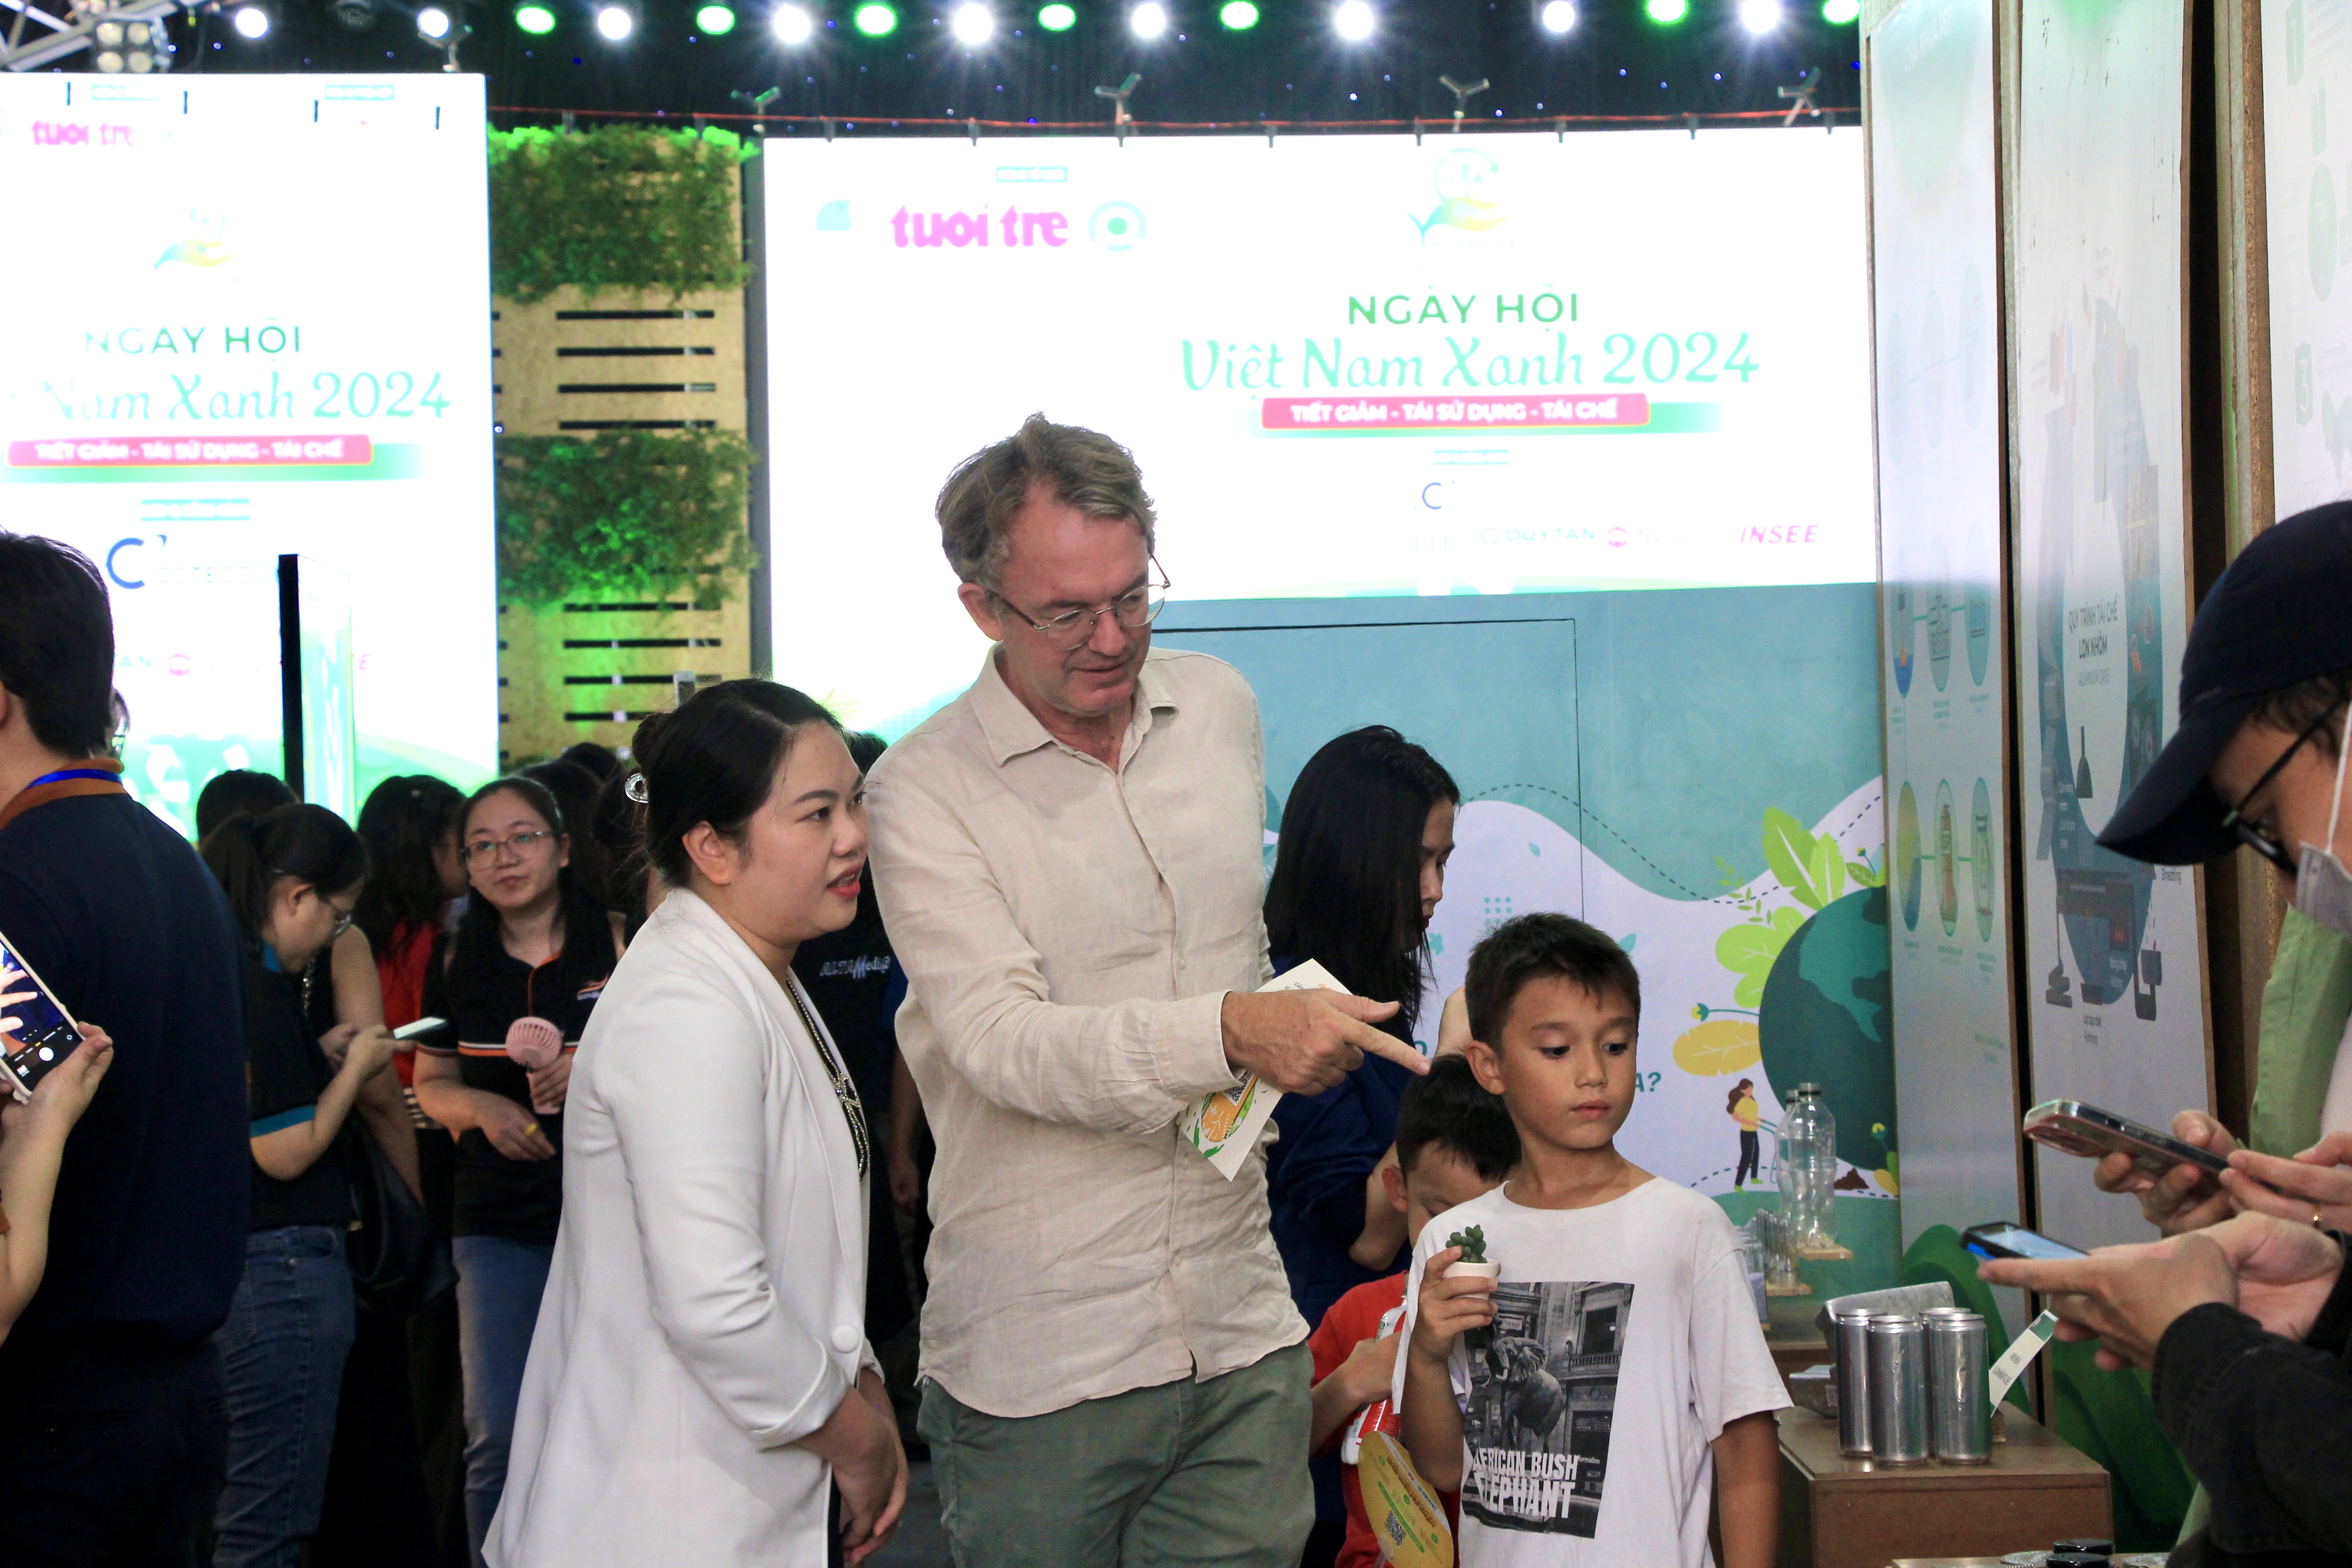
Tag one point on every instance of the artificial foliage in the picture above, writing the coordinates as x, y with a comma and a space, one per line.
622, 515
625, 209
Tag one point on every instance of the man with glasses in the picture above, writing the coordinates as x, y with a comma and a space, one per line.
2258, 762
1070, 861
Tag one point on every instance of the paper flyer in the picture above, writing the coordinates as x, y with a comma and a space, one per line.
1407, 1521
1224, 1126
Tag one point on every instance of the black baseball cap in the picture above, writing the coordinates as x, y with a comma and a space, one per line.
2281, 614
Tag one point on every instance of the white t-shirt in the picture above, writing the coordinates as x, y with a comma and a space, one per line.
1625, 1340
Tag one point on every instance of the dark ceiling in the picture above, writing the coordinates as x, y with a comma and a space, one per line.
1290, 66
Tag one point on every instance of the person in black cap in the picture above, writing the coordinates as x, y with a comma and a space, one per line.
2258, 762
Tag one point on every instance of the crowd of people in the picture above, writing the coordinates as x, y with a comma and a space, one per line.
631, 1160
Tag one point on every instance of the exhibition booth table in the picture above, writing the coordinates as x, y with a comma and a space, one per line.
1837, 1513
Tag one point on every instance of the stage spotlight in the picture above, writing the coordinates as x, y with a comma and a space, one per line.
972, 23
616, 22
1354, 20
1759, 17
534, 18
1837, 13
1056, 18
1239, 16
432, 24
715, 19
251, 22
1148, 20
793, 25
877, 20
138, 48
1668, 11
1557, 17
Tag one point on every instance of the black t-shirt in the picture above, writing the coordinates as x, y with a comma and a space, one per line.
286, 1073
112, 909
521, 1200
848, 974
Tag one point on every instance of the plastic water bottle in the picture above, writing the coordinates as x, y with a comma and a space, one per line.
1806, 1157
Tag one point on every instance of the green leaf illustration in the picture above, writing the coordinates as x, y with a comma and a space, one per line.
1828, 869
1864, 874
1788, 851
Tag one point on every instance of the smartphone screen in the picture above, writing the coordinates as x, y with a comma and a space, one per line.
39, 1034
2007, 1240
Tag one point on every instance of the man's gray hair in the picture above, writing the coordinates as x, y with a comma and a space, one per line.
1080, 467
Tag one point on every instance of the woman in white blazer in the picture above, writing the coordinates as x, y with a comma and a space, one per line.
699, 1383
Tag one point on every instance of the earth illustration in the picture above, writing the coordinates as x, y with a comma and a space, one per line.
1825, 1020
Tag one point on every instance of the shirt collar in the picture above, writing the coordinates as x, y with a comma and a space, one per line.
1011, 731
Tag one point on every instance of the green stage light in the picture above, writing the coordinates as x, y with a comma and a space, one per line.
534, 18
1056, 18
715, 19
1238, 15
1837, 13
877, 20
1668, 10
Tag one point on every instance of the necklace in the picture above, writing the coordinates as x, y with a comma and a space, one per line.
844, 1087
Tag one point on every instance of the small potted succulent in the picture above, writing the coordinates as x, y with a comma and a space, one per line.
1472, 1264
1473, 1261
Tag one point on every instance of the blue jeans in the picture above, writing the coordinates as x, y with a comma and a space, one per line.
281, 1350
499, 1283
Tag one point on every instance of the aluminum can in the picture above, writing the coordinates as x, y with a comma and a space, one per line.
1898, 1389
1852, 1331
1960, 1412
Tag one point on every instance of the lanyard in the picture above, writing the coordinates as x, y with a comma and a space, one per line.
65, 775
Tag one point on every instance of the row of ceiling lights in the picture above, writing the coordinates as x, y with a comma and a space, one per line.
973, 23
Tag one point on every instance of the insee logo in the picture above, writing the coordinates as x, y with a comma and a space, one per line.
1012, 228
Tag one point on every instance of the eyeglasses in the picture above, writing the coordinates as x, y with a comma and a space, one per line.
2254, 837
483, 851
1076, 628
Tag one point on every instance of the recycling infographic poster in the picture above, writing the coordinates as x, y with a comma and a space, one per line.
1936, 230
261, 329
2114, 988
1348, 366
2307, 49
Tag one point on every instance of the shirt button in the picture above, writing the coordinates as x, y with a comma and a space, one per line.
845, 1338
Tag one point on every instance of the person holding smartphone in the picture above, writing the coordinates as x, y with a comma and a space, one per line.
291, 876
2247, 1328
2258, 762
528, 946
33, 1145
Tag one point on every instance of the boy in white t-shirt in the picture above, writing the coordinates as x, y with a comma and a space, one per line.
1582, 1403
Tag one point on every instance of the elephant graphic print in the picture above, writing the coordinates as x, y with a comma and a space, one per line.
1543, 1393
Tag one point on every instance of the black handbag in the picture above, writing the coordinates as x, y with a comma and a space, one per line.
398, 1264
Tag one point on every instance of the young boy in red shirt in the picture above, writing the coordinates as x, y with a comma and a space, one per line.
1454, 1142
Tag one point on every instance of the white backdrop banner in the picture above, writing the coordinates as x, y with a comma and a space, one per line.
258, 324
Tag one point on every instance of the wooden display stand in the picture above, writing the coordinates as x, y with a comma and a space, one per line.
1837, 1513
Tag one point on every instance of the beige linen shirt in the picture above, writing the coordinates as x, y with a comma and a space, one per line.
1069, 933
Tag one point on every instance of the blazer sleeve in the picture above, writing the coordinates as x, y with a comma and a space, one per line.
685, 1077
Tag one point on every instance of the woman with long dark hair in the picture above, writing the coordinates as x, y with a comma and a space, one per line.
293, 876
703, 1388
1358, 871
517, 982
1742, 1110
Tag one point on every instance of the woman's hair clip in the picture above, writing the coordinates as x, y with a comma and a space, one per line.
635, 789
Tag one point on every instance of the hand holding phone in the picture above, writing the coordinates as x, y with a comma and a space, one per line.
38, 1036
2173, 1175
410, 1030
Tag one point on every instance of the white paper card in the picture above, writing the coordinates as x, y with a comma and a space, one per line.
1224, 1126
2014, 1359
